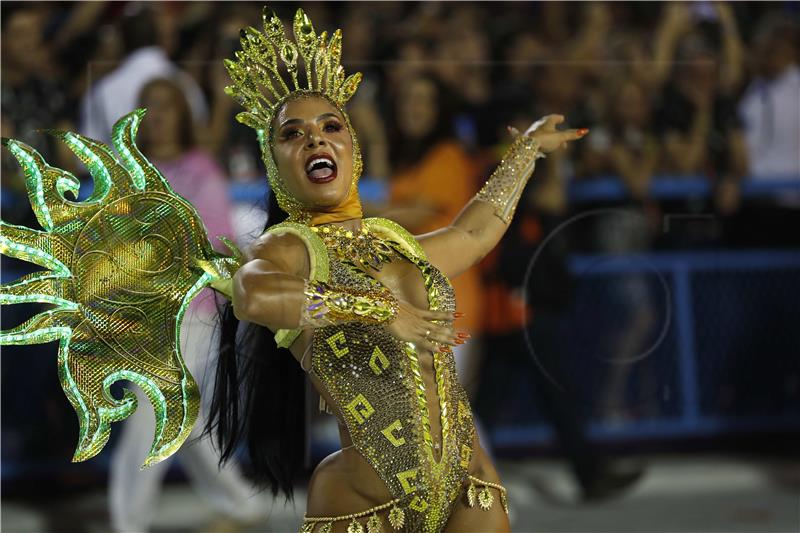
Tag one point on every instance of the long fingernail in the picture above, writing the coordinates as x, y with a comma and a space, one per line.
463, 335
583, 131
458, 314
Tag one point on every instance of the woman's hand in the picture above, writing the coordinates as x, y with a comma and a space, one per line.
415, 325
550, 139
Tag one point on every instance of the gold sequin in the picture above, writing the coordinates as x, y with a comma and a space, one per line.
374, 524
397, 518
485, 499
389, 431
355, 527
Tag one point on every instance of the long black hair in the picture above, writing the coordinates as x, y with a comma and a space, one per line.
259, 397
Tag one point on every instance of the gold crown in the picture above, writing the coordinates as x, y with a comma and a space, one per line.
259, 86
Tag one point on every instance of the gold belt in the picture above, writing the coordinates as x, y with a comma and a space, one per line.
374, 524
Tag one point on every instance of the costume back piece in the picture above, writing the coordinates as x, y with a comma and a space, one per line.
123, 265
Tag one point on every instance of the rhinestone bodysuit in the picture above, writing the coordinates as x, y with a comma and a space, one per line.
375, 381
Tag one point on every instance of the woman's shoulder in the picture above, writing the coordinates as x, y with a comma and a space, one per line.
276, 241
293, 244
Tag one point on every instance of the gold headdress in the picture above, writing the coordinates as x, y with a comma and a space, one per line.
260, 87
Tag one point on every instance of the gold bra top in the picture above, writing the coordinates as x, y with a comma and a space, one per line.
376, 381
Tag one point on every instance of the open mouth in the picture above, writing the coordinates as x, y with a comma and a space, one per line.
320, 168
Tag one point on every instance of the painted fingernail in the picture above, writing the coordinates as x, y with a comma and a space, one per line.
460, 341
458, 314
583, 131
463, 335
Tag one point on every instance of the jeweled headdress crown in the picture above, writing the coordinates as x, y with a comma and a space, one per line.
261, 88
257, 82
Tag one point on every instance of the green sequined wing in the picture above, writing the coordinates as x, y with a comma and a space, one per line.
120, 269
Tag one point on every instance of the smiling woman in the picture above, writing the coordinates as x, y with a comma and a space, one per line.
358, 306
365, 309
314, 147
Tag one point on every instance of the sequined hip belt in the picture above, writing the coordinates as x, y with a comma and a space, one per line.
371, 520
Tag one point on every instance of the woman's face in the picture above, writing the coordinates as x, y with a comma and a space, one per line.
313, 151
163, 116
417, 110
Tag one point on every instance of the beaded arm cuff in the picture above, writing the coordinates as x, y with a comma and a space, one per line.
326, 305
504, 187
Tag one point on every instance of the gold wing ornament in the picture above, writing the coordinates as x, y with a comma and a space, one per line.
120, 270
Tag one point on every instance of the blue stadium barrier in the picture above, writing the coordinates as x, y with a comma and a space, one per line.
609, 188
693, 416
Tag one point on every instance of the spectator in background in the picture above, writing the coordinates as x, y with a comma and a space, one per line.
232, 142
697, 116
434, 177
32, 99
697, 122
624, 145
166, 138
770, 111
463, 54
770, 107
116, 93
358, 24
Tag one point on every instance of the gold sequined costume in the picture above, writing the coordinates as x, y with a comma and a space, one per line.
376, 383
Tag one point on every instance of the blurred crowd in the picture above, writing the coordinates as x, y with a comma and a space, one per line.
684, 88
705, 92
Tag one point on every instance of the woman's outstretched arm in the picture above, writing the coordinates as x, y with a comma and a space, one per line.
483, 221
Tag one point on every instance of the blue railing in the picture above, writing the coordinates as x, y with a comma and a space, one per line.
691, 418
608, 188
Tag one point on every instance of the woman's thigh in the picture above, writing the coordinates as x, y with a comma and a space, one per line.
466, 519
343, 484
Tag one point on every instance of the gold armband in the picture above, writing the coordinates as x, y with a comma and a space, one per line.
325, 305
504, 187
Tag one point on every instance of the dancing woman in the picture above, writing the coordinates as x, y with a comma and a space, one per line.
365, 309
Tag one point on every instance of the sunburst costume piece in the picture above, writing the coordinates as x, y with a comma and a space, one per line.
122, 266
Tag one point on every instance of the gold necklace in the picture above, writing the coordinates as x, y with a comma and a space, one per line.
360, 248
